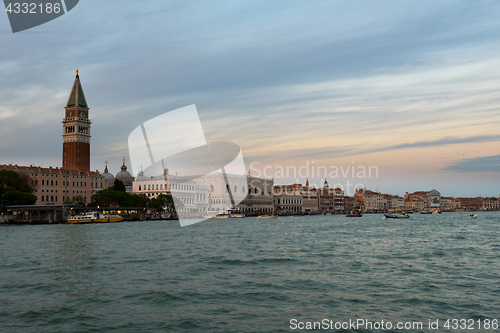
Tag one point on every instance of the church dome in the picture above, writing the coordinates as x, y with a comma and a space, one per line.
124, 175
108, 177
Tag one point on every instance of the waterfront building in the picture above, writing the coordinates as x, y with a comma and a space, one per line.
301, 198
394, 203
372, 201
55, 185
434, 199
490, 204
330, 199
194, 197
260, 199
310, 200
415, 204
470, 203
445, 204
455, 203
431, 199
288, 203
216, 187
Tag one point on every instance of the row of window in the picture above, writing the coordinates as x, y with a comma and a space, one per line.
159, 187
64, 176
66, 183
64, 191
54, 198
289, 201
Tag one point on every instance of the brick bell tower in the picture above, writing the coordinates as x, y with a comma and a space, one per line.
76, 132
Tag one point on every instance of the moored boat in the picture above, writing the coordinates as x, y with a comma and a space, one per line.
266, 217
224, 215
353, 215
235, 213
94, 217
396, 216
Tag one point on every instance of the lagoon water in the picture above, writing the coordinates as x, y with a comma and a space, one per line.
249, 275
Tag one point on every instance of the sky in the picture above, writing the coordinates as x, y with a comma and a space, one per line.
411, 88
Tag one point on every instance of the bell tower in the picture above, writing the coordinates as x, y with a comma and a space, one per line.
76, 131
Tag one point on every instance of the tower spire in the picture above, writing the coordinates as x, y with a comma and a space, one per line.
77, 97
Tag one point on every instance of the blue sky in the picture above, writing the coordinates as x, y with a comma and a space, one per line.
411, 87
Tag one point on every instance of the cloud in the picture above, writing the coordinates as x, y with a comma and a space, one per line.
441, 142
478, 164
283, 79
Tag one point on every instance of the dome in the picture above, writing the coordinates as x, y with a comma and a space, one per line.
124, 175
108, 177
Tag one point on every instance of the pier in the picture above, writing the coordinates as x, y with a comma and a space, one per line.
55, 214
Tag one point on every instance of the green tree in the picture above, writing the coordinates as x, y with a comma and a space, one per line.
75, 200
13, 181
118, 186
111, 198
12, 198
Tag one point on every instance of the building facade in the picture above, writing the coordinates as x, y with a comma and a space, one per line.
260, 198
330, 200
56, 186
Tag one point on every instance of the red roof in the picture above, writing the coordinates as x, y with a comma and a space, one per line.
49, 170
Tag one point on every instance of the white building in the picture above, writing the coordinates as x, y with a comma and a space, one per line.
194, 197
221, 188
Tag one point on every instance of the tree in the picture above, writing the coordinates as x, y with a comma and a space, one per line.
13, 181
12, 198
75, 200
111, 198
118, 186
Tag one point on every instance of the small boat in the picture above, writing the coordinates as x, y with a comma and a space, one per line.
266, 217
396, 216
94, 217
426, 212
472, 216
353, 215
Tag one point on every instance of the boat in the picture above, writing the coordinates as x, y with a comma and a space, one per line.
94, 217
230, 213
353, 215
396, 216
426, 212
472, 216
266, 217
209, 215
224, 215
235, 213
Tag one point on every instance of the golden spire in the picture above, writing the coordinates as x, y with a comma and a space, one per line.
76, 72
